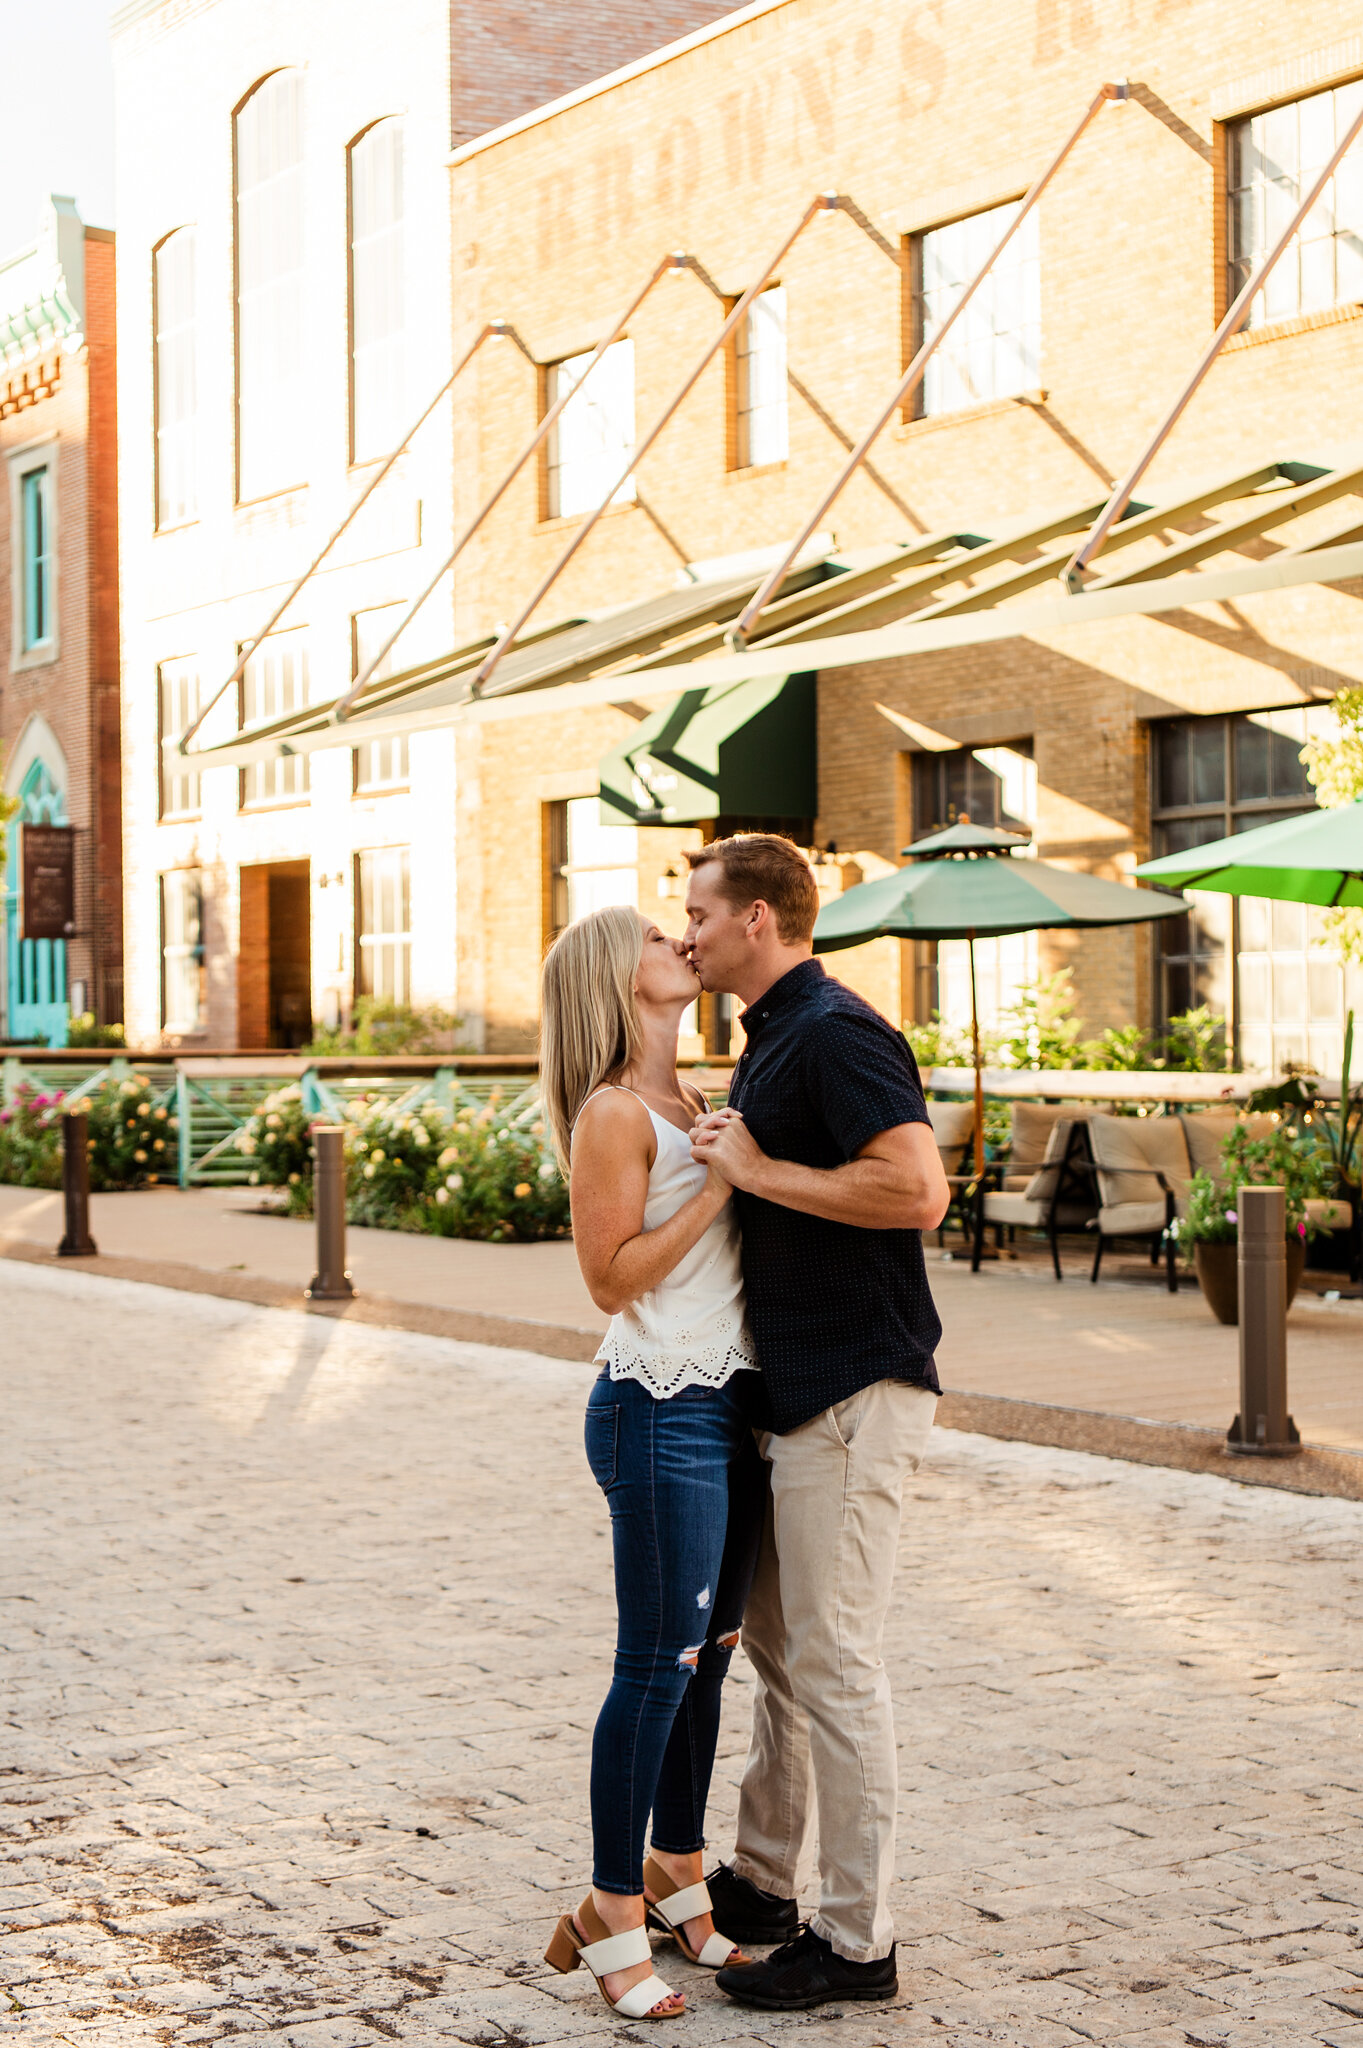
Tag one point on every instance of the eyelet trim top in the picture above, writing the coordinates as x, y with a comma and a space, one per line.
691, 1330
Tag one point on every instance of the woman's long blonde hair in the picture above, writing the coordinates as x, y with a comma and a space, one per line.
589, 1021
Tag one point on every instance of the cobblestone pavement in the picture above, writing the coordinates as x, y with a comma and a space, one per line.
305, 1624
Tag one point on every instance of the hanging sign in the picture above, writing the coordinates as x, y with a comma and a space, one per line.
47, 881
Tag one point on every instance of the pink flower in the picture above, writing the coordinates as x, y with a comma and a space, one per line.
1301, 1230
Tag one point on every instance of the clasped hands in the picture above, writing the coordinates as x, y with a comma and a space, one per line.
722, 1140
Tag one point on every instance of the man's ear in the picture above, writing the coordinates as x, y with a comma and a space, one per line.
759, 917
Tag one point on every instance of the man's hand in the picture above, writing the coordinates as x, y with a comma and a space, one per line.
895, 1182
723, 1140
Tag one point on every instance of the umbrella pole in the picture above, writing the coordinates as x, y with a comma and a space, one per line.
975, 1047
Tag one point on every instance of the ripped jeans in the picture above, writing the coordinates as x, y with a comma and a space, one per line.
686, 1494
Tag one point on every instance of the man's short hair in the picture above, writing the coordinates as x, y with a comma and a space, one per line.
764, 866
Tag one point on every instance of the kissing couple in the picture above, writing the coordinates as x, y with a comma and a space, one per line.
767, 1385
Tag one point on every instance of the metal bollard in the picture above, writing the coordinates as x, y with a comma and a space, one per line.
1263, 1428
77, 1242
331, 1281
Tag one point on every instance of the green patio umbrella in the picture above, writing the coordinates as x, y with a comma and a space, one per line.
1316, 858
962, 884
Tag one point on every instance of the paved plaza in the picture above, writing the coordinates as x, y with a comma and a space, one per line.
305, 1625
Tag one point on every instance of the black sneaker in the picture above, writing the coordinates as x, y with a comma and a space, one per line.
806, 1972
746, 1914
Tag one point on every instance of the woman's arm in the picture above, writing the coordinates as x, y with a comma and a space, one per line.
620, 1260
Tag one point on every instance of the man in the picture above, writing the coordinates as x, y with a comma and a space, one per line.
827, 1142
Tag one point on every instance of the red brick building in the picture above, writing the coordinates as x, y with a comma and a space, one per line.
59, 694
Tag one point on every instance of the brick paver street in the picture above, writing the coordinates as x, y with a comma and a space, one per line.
305, 1625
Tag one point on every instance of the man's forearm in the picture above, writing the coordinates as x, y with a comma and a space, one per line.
868, 1193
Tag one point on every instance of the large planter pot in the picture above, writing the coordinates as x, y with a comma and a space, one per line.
1218, 1276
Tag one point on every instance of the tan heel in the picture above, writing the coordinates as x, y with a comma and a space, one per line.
562, 1952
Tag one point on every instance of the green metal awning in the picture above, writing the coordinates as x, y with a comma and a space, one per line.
734, 750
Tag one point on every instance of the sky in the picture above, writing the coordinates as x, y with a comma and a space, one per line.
57, 133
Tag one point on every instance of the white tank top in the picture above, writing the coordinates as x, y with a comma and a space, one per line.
691, 1329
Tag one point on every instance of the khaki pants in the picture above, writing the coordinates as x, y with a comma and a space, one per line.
823, 1726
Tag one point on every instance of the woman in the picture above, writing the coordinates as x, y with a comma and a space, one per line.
667, 1439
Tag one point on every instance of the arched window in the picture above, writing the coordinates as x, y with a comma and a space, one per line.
377, 297
177, 405
272, 386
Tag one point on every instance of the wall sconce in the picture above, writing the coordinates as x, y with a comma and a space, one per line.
670, 886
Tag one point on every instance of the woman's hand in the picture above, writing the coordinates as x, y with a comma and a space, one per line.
613, 1149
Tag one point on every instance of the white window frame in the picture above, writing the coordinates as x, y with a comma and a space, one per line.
40, 453
273, 392
761, 397
178, 791
994, 349
600, 870
375, 171
383, 946
593, 437
274, 682
175, 448
381, 766
182, 957
1272, 159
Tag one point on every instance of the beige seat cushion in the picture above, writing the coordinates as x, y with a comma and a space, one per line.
1014, 1208
1205, 1133
953, 1126
1131, 1219
1138, 1144
1041, 1187
1330, 1215
1033, 1123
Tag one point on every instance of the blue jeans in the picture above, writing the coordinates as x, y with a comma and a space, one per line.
686, 1491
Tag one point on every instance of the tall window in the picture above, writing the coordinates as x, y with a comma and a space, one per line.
37, 625
182, 950
990, 786
760, 382
378, 391
179, 696
591, 865
383, 968
379, 764
274, 683
177, 403
994, 349
594, 436
1261, 964
273, 391
1273, 159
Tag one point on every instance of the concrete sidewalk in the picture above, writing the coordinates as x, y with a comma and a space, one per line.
1013, 1340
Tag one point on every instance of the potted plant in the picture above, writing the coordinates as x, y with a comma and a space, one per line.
1209, 1231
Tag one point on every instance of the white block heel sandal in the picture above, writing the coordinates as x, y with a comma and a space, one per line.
671, 1907
607, 1952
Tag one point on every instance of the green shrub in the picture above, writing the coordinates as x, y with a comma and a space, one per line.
379, 1029
30, 1140
130, 1137
460, 1170
83, 1031
278, 1142
1281, 1159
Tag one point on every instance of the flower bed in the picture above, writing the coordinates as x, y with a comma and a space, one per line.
130, 1137
459, 1170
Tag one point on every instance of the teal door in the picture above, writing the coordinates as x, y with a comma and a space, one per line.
36, 968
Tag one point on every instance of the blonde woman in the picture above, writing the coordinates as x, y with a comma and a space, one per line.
667, 1438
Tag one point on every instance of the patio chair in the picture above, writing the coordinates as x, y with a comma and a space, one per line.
1043, 1185
1142, 1169
953, 1127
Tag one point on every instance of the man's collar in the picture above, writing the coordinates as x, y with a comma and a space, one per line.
794, 986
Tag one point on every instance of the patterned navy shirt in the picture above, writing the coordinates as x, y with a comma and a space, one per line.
832, 1307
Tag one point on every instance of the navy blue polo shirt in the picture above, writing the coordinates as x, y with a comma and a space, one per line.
832, 1308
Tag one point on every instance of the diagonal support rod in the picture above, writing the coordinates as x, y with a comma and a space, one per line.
492, 327
741, 631
1072, 575
668, 266
824, 202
